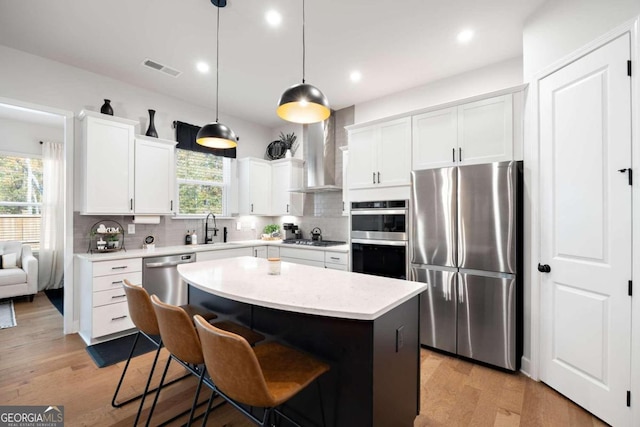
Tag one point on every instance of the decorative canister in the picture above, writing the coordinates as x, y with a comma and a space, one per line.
151, 131
106, 108
274, 266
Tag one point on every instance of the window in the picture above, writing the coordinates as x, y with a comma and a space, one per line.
20, 199
203, 183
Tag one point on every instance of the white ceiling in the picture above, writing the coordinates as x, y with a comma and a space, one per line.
395, 44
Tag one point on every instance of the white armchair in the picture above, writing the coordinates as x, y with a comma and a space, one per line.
22, 279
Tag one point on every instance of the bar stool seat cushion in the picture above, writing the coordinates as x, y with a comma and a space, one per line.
250, 335
192, 310
286, 370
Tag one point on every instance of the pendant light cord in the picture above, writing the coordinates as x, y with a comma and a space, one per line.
303, 45
217, 60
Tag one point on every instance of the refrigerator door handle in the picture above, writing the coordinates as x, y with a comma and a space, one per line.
461, 289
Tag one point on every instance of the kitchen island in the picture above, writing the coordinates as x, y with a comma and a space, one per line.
366, 327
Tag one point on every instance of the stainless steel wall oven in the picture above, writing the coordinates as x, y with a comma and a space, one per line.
379, 238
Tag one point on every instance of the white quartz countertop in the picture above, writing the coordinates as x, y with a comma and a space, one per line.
300, 288
186, 249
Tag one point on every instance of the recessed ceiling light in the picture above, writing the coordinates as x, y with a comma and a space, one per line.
355, 76
465, 36
273, 18
203, 67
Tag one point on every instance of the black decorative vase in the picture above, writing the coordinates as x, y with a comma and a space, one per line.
106, 108
151, 131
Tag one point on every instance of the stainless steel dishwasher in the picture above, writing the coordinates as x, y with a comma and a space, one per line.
160, 277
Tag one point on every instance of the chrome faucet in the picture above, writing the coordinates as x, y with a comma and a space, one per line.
208, 238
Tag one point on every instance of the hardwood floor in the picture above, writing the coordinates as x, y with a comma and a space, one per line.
39, 365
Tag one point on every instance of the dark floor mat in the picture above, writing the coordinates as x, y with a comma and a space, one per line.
56, 296
114, 351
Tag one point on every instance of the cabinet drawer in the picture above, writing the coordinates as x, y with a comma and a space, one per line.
336, 266
303, 261
224, 253
115, 281
307, 254
109, 297
336, 258
103, 268
110, 319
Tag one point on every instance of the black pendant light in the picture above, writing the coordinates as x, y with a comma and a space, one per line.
216, 134
303, 103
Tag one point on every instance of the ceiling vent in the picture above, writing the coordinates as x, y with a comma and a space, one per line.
162, 68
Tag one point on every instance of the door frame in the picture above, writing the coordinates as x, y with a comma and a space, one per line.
531, 365
71, 315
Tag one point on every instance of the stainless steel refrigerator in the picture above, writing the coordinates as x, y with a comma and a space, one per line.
466, 243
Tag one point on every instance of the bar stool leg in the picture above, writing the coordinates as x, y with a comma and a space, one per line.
124, 371
195, 398
146, 387
324, 422
155, 399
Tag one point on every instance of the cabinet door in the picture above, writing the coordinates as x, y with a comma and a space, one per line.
261, 188
485, 130
363, 148
435, 139
273, 252
345, 183
280, 174
154, 177
108, 167
254, 187
286, 175
260, 251
394, 153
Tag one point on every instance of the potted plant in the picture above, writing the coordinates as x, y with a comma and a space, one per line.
290, 143
270, 231
113, 241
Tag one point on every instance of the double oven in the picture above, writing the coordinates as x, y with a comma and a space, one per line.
379, 238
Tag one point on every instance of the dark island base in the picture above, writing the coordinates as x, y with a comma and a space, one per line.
375, 365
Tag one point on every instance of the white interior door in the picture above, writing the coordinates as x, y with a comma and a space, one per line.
585, 138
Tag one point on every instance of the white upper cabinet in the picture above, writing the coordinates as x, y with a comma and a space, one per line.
476, 132
345, 180
254, 186
435, 138
122, 173
154, 176
286, 174
380, 155
485, 130
107, 164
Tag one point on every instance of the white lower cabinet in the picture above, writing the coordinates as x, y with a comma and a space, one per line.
316, 258
336, 260
104, 313
302, 256
260, 251
224, 253
273, 252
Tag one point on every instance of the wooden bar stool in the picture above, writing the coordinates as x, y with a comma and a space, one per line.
144, 318
265, 376
180, 337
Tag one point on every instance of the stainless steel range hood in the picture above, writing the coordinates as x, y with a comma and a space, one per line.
320, 156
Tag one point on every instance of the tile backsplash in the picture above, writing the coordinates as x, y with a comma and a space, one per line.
169, 232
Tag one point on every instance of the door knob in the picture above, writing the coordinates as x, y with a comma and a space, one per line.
544, 268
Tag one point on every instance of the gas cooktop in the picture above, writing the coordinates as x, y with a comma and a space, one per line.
309, 242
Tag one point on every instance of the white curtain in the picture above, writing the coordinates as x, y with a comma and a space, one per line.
50, 260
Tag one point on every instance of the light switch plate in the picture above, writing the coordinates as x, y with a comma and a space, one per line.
238, 226
131, 229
